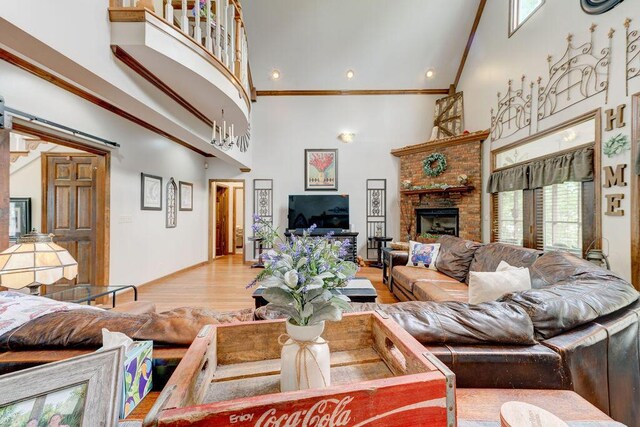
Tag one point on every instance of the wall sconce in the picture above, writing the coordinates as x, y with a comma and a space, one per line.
346, 137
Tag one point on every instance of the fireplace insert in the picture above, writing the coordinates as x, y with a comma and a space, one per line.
437, 221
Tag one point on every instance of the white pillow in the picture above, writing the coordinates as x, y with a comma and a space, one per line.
423, 254
489, 286
504, 266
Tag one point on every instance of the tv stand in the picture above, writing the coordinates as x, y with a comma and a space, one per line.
351, 236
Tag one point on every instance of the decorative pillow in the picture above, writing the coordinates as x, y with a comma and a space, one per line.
489, 286
423, 254
455, 256
504, 266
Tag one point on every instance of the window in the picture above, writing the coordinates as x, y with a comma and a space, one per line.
562, 217
520, 11
509, 224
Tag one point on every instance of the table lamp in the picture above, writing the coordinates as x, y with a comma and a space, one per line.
34, 261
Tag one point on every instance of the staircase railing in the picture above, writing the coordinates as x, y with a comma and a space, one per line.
217, 25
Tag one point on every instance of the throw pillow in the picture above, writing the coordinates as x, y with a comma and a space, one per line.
489, 286
423, 254
455, 256
504, 266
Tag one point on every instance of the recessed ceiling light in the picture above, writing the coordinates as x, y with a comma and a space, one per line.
275, 75
350, 74
430, 73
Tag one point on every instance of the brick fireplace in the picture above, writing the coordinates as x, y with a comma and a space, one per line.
429, 210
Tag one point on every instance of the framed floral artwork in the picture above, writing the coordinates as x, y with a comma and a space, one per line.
320, 170
150, 192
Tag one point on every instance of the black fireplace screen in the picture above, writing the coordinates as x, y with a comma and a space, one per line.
437, 221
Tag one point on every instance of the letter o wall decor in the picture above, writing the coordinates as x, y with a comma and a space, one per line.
597, 7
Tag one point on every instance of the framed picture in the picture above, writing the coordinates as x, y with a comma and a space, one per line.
150, 192
320, 170
81, 391
19, 217
186, 196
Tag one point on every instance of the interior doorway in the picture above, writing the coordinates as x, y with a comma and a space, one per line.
226, 218
60, 186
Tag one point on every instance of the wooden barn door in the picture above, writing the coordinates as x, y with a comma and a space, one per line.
70, 208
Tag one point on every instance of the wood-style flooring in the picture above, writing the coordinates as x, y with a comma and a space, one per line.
222, 285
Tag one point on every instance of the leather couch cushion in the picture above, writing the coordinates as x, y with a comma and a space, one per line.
406, 277
503, 366
440, 290
455, 256
487, 257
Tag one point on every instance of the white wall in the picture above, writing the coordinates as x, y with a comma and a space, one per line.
142, 249
495, 58
282, 127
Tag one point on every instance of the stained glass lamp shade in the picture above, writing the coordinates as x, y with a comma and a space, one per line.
35, 260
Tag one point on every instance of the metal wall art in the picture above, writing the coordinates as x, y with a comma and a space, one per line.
172, 204
513, 113
376, 213
597, 7
449, 116
262, 204
579, 74
633, 53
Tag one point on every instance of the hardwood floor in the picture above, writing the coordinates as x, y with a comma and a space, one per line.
221, 285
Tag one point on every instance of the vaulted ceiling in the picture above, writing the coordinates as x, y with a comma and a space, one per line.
388, 44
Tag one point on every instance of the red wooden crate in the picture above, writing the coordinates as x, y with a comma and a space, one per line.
381, 376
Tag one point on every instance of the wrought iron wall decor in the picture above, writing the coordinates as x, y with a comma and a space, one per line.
376, 213
514, 111
449, 116
579, 74
262, 205
243, 141
632, 54
597, 7
172, 204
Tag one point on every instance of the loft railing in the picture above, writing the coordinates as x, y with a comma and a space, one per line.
216, 25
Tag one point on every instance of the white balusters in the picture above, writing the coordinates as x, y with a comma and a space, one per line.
208, 44
185, 17
225, 26
197, 31
232, 43
168, 12
216, 50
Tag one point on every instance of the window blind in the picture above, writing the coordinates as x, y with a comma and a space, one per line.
508, 214
558, 211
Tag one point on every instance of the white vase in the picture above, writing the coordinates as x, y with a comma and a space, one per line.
305, 359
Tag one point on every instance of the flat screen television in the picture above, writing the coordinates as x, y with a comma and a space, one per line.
327, 212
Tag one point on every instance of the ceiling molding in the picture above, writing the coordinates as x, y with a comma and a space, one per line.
82, 93
472, 35
352, 92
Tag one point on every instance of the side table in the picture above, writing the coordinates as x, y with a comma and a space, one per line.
382, 243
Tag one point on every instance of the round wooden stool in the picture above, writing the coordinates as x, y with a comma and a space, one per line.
520, 414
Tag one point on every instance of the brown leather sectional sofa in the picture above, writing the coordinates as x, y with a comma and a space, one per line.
577, 329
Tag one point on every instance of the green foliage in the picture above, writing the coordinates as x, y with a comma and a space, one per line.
441, 165
303, 275
616, 145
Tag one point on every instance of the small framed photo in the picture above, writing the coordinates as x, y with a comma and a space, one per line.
19, 217
320, 170
81, 391
150, 192
186, 196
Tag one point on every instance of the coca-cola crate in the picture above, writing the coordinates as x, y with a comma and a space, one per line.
380, 376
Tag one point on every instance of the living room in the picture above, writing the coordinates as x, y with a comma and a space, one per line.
468, 171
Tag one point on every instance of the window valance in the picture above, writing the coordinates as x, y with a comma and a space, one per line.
575, 166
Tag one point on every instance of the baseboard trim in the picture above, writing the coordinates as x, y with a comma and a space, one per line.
175, 273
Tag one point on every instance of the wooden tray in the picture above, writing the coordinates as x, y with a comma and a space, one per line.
381, 376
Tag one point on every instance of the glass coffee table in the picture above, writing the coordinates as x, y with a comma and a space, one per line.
86, 293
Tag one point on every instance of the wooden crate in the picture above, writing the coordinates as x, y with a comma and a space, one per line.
381, 376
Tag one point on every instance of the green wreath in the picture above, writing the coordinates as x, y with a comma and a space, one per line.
441, 165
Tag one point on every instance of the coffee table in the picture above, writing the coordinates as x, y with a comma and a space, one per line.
358, 290
86, 293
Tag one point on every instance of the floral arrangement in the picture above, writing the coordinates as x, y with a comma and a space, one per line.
303, 275
321, 161
616, 145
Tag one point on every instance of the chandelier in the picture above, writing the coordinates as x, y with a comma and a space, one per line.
226, 139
